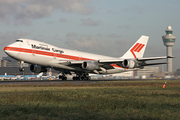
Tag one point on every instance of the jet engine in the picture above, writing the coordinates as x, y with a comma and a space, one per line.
37, 69
90, 65
129, 64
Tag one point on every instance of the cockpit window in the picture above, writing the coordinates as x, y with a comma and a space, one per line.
19, 40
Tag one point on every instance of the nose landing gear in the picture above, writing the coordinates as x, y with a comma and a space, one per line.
21, 69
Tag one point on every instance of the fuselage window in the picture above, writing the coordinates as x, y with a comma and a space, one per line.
19, 40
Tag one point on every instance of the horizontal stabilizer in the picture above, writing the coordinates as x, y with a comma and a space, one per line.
154, 58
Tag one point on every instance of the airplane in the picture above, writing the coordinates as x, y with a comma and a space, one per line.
7, 77
28, 77
42, 56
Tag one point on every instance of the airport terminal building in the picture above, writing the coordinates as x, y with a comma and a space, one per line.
11, 67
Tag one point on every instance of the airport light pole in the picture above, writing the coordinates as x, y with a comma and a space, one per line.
169, 40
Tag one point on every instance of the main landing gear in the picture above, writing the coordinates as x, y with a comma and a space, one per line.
82, 76
79, 76
63, 77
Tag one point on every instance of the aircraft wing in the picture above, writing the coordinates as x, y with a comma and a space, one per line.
154, 58
111, 61
106, 63
103, 61
120, 60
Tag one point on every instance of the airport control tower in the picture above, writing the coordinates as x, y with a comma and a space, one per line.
169, 40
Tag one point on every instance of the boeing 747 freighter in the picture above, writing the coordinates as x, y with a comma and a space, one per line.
42, 56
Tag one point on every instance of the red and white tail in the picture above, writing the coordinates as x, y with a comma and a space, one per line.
138, 49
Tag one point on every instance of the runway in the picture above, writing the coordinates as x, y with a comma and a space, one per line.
41, 82
47, 82
51, 82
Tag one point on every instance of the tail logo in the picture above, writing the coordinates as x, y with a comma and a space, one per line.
137, 48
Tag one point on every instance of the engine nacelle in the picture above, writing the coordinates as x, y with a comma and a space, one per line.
90, 65
37, 69
129, 64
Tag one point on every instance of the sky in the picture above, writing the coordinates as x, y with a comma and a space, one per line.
106, 27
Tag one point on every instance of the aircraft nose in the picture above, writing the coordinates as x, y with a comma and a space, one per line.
10, 51
6, 49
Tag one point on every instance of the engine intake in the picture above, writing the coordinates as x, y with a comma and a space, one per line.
90, 65
129, 64
37, 69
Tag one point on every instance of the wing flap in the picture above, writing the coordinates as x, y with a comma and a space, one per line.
110, 60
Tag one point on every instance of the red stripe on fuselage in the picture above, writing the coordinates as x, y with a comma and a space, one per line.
39, 52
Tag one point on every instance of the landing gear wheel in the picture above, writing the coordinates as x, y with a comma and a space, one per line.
62, 77
74, 78
21, 69
88, 78
81, 78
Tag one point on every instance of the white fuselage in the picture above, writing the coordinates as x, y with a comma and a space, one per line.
40, 53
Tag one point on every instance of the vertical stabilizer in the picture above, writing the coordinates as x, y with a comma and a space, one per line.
138, 49
40, 74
